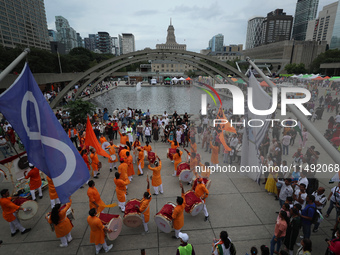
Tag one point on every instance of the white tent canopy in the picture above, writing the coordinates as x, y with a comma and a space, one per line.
174, 79
181, 79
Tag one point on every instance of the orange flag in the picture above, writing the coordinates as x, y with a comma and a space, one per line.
220, 127
91, 140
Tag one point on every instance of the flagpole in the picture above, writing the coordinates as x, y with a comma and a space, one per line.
16, 61
332, 152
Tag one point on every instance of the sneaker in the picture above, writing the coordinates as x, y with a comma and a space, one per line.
16, 232
70, 240
40, 197
116, 168
82, 187
140, 174
109, 248
173, 175
154, 194
315, 230
98, 173
110, 169
63, 245
26, 231
161, 192
97, 252
96, 177
206, 218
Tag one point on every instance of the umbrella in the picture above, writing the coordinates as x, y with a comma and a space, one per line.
264, 84
188, 79
167, 79
318, 79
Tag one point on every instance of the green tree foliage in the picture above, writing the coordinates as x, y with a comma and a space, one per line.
79, 109
295, 68
329, 56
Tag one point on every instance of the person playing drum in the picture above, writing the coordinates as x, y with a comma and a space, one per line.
123, 138
120, 191
122, 153
202, 193
9, 210
62, 224
129, 161
97, 234
178, 213
174, 144
178, 159
144, 207
94, 196
123, 170
112, 151
147, 147
156, 176
140, 161
35, 181
94, 162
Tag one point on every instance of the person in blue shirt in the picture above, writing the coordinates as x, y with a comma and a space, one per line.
307, 216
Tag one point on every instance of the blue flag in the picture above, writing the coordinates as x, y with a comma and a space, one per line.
48, 146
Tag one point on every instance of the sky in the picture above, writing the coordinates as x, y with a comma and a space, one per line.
195, 21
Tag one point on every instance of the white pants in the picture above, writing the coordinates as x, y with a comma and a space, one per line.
206, 214
177, 232
15, 224
33, 193
54, 202
140, 169
100, 246
146, 229
112, 165
95, 173
65, 239
160, 189
130, 178
121, 205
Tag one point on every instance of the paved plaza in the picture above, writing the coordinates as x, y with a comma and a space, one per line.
236, 204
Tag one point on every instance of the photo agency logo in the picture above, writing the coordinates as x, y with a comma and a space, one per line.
238, 97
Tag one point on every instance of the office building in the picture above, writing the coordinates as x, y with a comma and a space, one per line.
321, 29
254, 32
216, 43
66, 34
277, 26
90, 42
115, 46
126, 43
80, 41
23, 23
304, 12
104, 43
335, 40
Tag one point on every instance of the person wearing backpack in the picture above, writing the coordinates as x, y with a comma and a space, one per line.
307, 216
223, 246
320, 202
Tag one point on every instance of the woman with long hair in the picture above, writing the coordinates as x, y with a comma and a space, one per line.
177, 157
222, 246
292, 230
279, 232
62, 224
306, 247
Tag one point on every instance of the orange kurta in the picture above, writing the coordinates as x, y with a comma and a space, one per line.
122, 153
173, 146
95, 161
145, 208
200, 190
177, 158
122, 169
35, 180
214, 154
156, 175
112, 151
64, 226
97, 235
94, 196
178, 215
147, 148
141, 158
51, 189
86, 160
8, 208
102, 140
129, 162
120, 189
136, 144
123, 138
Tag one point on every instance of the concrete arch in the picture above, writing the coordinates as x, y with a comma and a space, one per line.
145, 55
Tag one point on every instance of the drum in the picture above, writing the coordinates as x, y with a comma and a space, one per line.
30, 209
113, 157
132, 217
184, 173
205, 181
151, 157
113, 222
193, 204
170, 153
163, 218
104, 145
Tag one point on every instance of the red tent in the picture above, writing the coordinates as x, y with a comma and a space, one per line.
264, 84
188, 79
319, 78
327, 77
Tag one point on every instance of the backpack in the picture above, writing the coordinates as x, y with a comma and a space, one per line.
316, 215
232, 249
313, 185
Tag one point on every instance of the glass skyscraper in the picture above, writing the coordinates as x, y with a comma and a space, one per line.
254, 32
305, 10
335, 41
216, 43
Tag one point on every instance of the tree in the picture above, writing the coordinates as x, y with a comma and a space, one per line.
329, 56
79, 109
295, 68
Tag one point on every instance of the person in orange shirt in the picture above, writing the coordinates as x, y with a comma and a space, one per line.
123, 138
9, 213
202, 193
102, 139
62, 224
177, 157
94, 162
97, 234
52, 192
174, 144
122, 153
147, 147
178, 213
129, 161
94, 196
82, 141
73, 135
112, 151
144, 207
140, 161
214, 154
135, 145
120, 191
156, 176
35, 181
122, 169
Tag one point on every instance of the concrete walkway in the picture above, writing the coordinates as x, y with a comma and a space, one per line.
235, 204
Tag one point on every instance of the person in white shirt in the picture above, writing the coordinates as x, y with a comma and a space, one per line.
320, 202
300, 196
285, 144
129, 133
333, 198
233, 143
165, 115
337, 118
178, 135
285, 191
147, 133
